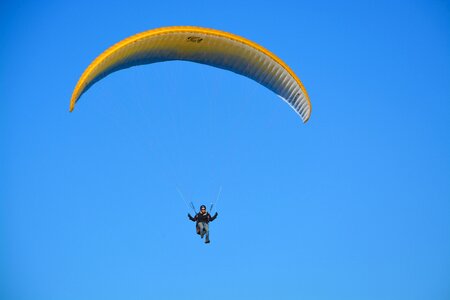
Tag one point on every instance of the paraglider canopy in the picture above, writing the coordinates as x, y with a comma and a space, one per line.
201, 45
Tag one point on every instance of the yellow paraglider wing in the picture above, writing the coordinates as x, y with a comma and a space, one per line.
201, 45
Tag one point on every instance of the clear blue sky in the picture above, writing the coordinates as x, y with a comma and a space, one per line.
353, 205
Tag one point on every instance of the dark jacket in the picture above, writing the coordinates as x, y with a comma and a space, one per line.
204, 218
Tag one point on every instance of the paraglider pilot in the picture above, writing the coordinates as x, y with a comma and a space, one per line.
202, 219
